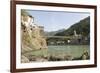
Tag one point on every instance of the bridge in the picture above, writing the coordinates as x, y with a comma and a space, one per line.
62, 39
59, 37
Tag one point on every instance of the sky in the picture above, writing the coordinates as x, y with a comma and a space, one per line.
53, 21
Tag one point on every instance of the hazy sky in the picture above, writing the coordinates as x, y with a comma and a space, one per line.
53, 21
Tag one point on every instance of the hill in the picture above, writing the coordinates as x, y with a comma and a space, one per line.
52, 33
82, 27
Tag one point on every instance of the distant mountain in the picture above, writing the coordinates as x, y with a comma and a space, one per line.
82, 27
52, 33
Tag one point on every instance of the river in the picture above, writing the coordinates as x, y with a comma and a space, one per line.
63, 52
74, 50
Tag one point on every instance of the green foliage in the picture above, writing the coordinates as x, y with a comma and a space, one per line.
24, 12
82, 27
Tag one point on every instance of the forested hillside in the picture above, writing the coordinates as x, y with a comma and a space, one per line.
82, 27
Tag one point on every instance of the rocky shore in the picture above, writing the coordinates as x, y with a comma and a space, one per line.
51, 57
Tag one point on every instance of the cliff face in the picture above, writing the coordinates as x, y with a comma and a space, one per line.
32, 38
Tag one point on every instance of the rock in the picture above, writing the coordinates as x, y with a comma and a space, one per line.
85, 55
31, 37
31, 40
24, 59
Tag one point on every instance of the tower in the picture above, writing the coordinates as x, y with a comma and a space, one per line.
75, 34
